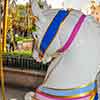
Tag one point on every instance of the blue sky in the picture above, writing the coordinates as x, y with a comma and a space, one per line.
22, 1
56, 4
80, 3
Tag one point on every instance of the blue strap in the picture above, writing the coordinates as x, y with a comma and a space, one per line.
52, 30
96, 97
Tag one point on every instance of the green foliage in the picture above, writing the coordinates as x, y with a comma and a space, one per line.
21, 18
21, 53
19, 38
34, 28
23, 39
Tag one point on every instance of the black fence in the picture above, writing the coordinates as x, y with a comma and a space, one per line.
23, 62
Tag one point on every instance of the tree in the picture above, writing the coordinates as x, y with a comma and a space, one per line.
95, 10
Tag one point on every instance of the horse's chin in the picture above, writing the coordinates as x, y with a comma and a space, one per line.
38, 60
30, 96
46, 60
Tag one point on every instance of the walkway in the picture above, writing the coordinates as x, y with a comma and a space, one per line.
14, 93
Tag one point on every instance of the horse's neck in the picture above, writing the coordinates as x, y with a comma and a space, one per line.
79, 64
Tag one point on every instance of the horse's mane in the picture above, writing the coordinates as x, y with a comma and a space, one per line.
95, 26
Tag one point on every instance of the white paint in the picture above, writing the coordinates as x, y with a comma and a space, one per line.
29, 96
79, 64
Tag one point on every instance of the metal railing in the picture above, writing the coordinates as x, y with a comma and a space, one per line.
23, 62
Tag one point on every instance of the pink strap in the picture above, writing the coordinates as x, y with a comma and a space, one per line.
73, 34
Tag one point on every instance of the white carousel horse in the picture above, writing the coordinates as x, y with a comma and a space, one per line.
73, 39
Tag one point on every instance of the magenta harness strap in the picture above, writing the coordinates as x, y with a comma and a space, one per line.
73, 34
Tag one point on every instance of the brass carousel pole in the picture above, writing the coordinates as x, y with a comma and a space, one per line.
1, 71
3, 46
5, 25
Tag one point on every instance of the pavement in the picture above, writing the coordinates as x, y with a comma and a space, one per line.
12, 92
20, 83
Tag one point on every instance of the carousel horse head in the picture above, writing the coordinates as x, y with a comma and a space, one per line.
74, 37
52, 27
51, 31
59, 26
52, 36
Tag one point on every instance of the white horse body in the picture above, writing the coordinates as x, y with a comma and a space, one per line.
78, 65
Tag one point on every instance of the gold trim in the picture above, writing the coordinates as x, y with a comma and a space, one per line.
95, 81
93, 96
73, 96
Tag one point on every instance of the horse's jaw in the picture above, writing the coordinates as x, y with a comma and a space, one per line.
36, 56
45, 59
